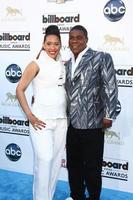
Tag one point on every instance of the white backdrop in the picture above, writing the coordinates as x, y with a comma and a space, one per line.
22, 24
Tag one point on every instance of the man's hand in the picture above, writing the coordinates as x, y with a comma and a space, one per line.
107, 123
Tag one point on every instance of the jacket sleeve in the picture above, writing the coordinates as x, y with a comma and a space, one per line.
110, 88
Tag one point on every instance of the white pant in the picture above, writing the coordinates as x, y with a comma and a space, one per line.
48, 145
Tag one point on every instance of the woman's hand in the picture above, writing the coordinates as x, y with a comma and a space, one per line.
36, 123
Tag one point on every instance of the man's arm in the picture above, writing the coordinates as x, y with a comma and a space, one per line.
110, 90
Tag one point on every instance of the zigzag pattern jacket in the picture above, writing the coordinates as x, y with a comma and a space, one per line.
92, 92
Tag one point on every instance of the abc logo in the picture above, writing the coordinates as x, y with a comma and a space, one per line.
114, 10
13, 73
13, 152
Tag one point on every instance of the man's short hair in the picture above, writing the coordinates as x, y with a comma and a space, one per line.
80, 28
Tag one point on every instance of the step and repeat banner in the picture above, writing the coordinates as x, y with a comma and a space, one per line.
22, 28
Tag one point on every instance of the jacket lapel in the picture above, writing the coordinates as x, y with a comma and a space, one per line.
69, 70
83, 63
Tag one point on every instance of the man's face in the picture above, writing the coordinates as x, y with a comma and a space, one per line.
77, 41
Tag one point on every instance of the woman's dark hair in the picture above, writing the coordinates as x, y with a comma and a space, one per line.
50, 30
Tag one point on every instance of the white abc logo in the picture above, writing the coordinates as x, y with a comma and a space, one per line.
13, 73
13, 152
114, 10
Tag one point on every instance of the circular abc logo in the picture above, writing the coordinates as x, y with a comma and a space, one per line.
114, 10
13, 152
13, 73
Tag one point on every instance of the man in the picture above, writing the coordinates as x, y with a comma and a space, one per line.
92, 96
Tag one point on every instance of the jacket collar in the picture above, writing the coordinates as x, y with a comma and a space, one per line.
87, 56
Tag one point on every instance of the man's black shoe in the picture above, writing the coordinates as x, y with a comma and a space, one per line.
88, 198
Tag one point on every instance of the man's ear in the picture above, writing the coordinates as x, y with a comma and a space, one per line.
87, 39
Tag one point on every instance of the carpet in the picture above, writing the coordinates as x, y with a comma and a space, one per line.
18, 186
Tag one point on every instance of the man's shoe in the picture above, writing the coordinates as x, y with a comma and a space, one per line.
88, 198
70, 198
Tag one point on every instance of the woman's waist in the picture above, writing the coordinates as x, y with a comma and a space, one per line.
49, 111
49, 100
48, 97
48, 89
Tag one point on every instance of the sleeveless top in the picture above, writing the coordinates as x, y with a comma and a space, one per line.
48, 88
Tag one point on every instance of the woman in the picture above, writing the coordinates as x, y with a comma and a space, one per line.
47, 115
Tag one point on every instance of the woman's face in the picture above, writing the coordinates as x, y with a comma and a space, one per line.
52, 46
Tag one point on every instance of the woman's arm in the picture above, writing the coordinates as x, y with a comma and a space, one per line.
29, 74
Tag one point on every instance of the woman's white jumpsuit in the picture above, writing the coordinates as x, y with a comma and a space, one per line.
49, 143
